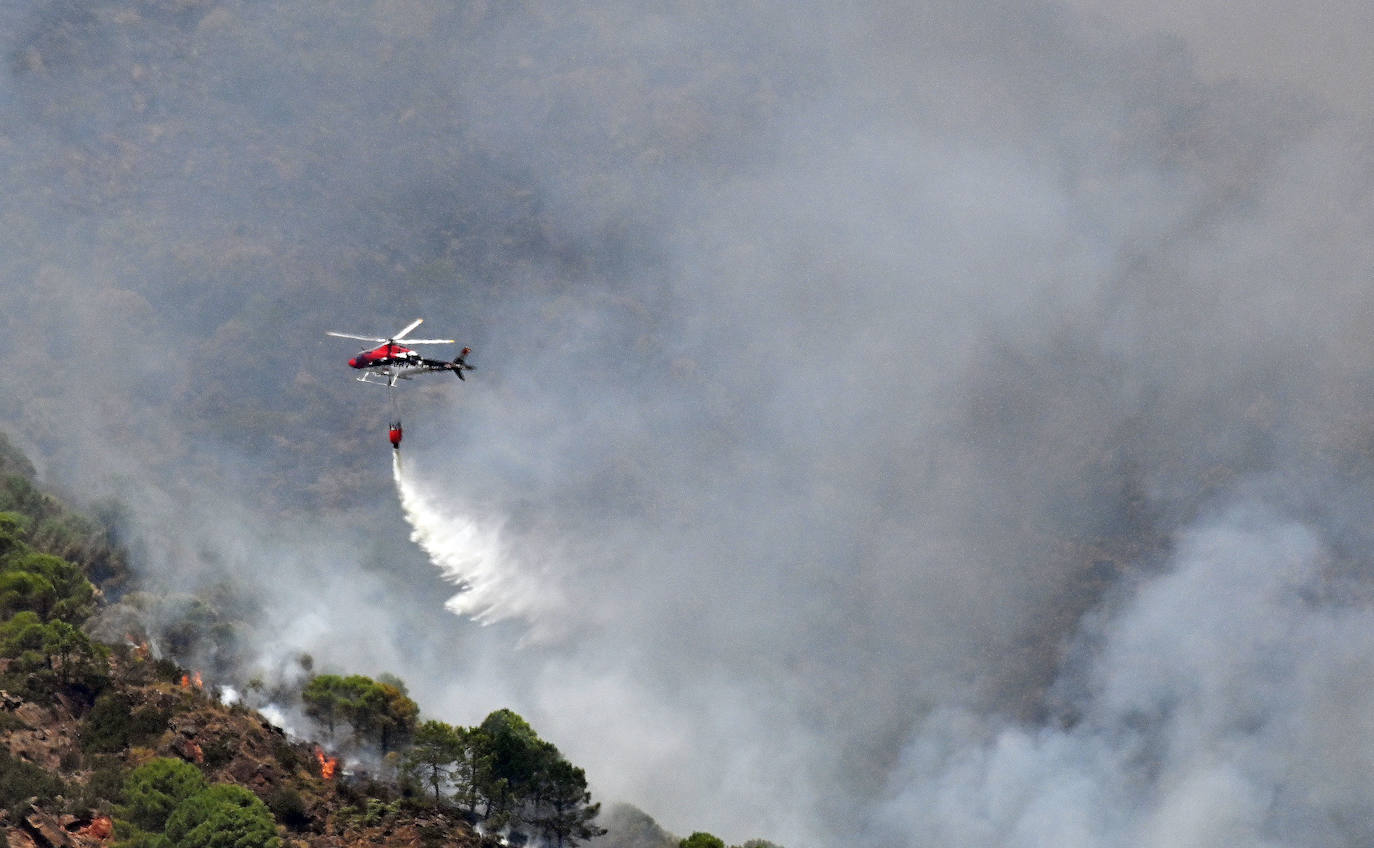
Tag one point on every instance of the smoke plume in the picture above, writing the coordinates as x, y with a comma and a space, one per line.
934, 423
1222, 704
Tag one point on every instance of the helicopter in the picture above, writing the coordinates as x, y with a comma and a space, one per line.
393, 360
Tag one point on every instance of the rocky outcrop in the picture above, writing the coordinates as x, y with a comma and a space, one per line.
40, 829
37, 734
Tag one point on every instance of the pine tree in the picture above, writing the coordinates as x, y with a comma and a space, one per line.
434, 754
223, 816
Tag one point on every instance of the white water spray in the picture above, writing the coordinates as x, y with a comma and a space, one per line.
494, 584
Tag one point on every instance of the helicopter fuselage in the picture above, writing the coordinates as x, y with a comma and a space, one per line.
387, 354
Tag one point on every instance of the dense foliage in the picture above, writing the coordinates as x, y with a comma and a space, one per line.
222, 816
117, 722
169, 804
379, 712
44, 524
504, 775
152, 792
44, 601
499, 772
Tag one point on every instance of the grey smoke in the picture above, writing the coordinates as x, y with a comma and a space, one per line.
882, 390
1222, 705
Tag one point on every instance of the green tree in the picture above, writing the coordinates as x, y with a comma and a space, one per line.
384, 714
18, 494
524, 782
74, 659
434, 754
564, 812
12, 532
45, 584
326, 698
701, 839
55, 652
513, 756
25, 591
223, 816
471, 767
23, 639
380, 713
24, 631
74, 594
152, 792
117, 721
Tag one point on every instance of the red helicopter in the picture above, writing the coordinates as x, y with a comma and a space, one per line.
392, 361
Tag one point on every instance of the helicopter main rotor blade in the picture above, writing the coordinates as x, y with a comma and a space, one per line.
351, 336
417, 322
425, 341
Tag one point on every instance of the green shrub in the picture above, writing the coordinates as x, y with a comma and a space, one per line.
223, 816
105, 785
115, 723
20, 781
155, 790
288, 807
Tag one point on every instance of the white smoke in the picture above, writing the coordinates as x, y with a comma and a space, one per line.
825, 349
494, 583
275, 715
1227, 704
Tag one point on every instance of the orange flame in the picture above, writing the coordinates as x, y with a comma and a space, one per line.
327, 764
100, 828
188, 680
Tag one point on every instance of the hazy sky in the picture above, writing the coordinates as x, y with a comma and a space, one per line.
1318, 48
905, 424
